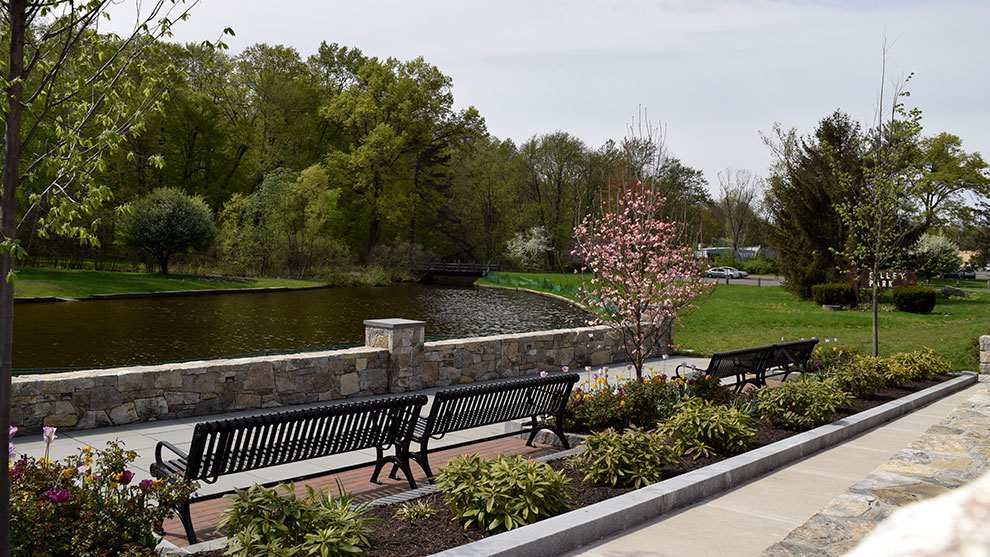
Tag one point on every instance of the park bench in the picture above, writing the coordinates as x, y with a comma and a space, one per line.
753, 365
229, 446
541, 399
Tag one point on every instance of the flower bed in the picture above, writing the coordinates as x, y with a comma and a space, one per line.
430, 534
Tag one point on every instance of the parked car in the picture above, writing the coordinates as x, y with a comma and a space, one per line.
962, 273
726, 272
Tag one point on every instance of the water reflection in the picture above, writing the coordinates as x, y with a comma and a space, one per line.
142, 331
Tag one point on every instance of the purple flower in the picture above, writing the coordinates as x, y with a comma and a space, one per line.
543, 374
587, 368
10, 447
826, 341
666, 356
49, 434
781, 339
13, 432
57, 495
835, 340
125, 477
565, 369
145, 484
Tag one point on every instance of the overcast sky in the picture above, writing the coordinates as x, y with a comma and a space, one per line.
713, 74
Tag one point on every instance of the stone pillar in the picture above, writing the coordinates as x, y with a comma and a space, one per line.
404, 339
985, 354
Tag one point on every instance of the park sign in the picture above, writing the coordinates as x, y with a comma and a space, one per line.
863, 278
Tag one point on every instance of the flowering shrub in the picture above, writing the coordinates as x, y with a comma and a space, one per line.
829, 355
604, 402
87, 504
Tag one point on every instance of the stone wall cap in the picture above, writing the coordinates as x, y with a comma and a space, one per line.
393, 323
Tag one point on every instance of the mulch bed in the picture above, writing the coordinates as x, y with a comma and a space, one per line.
394, 537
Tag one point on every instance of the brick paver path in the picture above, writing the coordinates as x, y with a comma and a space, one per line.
206, 514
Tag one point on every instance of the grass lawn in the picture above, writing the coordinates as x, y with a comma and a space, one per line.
963, 283
738, 316
72, 283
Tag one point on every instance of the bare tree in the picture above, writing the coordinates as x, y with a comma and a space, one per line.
739, 196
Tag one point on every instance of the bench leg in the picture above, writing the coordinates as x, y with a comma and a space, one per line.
534, 424
379, 464
186, 520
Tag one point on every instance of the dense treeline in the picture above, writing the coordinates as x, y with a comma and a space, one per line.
314, 164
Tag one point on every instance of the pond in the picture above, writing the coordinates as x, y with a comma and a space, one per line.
109, 333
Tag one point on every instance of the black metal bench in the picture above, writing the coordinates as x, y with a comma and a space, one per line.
224, 447
542, 399
751, 365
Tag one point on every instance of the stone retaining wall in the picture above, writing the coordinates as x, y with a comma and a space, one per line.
396, 359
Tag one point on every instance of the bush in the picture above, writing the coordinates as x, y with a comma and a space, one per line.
702, 428
505, 492
920, 365
802, 404
824, 359
863, 376
914, 299
833, 294
418, 510
260, 521
631, 458
759, 266
167, 222
87, 504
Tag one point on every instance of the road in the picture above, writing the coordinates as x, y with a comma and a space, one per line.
753, 280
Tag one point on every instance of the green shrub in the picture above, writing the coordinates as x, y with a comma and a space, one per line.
711, 389
758, 266
833, 294
505, 492
803, 403
261, 521
702, 428
826, 358
914, 299
863, 376
598, 404
631, 458
920, 365
418, 510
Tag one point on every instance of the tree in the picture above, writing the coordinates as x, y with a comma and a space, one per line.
739, 195
879, 218
947, 173
934, 254
167, 222
809, 178
70, 96
645, 278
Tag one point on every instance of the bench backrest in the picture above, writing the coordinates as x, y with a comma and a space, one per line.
239, 444
795, 352
743, 360
459, 408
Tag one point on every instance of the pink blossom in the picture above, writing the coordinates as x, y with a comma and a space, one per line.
565, 369
49, 434
57, 495
543, 374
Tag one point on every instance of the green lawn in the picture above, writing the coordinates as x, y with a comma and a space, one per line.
737, 316
79, 283
963, 283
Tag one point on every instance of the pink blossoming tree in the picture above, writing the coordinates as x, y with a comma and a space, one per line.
644, 277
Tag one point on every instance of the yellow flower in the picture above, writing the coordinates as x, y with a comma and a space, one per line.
623, 403
87, 449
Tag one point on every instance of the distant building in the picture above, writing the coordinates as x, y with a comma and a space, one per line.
749, 252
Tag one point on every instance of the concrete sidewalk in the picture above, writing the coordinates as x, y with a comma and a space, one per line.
747, 520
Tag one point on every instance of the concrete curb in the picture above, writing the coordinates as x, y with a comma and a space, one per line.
574, 303
572, 530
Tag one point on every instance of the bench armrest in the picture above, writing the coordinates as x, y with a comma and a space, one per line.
169, 446
677, 370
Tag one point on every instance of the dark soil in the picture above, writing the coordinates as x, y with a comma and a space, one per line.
399, 538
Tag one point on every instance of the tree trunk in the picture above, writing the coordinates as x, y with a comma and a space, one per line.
163, 264
8, 227
876, 301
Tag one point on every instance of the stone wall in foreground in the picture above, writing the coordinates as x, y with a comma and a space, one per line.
985, 354
396, 359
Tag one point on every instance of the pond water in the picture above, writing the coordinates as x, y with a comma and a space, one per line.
152, 330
